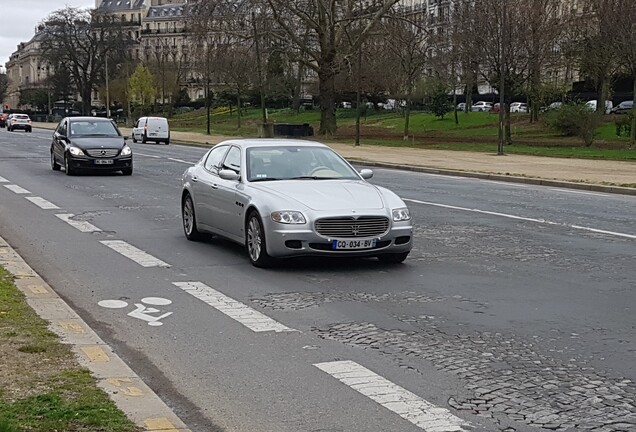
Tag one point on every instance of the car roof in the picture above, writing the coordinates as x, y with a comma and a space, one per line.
270, 142
88, 118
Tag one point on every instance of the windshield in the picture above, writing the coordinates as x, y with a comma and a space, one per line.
93, 128
296, 163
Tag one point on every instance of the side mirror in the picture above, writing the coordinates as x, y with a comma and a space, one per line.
227, 174
366, 174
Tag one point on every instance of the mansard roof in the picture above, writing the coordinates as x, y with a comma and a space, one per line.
167, 11
120, 5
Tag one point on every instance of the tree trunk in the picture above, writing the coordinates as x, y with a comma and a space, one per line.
87, 94
327, 87
238, 108
633, 136
602, 95
508, 129
407, 118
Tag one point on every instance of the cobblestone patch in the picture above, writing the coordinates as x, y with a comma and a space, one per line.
506, 375
306, 300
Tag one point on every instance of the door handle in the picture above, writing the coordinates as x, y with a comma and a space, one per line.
214, 186
195, 179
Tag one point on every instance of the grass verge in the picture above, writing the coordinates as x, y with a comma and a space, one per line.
42, 388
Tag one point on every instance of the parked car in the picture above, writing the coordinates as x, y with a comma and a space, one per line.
3, 119
90, 143
552, 106
495, 108
518, 107
151, 129
591, 105
461, 106
283, 198
623, 107
482, 106
19, 121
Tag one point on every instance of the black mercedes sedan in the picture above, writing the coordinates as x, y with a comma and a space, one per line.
90, 143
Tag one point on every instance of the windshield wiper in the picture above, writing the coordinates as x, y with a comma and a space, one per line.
266, 179
313, 178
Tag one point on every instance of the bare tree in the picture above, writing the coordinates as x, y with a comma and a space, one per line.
326, 47
599, 45
626, 46
82, 40
405, 43
499, 37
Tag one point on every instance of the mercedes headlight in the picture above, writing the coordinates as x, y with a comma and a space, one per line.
76, 151
126, 151
288, 217
401, 214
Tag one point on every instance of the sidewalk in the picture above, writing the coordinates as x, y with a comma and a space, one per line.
588, 174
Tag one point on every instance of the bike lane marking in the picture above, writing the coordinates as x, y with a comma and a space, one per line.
404, 403
137, 255
250, 318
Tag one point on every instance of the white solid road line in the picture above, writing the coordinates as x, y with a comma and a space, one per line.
245, 315
82, 226
169, 158
181, 161
42, 203
137, 255
17, 189
509, 216
3, 180
147, 155
407, 405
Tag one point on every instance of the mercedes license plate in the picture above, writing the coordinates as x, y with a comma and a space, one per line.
103, 162
353, 244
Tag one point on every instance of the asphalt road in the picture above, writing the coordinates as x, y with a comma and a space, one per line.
516, 311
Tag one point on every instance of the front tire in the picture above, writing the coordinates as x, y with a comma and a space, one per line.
255, 242
67, 167
54, 165
394, 258
190, 220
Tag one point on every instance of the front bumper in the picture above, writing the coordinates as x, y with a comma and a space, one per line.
89, 163
294, 240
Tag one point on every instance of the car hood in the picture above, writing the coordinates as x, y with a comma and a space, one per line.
327, 194
98, 142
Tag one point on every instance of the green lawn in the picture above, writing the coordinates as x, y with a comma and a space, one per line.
475, 131
42, 388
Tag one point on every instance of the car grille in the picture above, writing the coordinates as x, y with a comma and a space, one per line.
102, 153
349, 227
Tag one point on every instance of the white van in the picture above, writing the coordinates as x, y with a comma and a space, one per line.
151, 129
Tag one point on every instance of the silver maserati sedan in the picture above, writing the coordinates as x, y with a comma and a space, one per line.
283, 198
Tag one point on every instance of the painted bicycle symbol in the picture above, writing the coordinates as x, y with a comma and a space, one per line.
142, 311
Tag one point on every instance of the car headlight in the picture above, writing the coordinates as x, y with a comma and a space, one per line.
126, 151
76, 151
401, 214
288, 217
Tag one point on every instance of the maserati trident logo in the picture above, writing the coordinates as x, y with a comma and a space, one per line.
355, 230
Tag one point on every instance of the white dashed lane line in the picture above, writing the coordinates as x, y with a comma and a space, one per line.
17, 189
137, 255
82, 226
407, 405
42, 203
3, 180
527, 219
245, 315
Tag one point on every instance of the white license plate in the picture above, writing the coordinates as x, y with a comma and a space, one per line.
353, 244
103, 162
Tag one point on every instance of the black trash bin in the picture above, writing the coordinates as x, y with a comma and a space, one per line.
293, 130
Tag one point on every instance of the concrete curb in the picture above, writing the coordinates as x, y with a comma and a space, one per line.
123, 386
593, 187
501, 177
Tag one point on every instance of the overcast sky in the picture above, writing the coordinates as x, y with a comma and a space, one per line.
18, 19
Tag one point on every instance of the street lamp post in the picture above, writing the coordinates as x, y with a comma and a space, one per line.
502, 81
107, 91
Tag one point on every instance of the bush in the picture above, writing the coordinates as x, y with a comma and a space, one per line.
624, 125
575, 120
